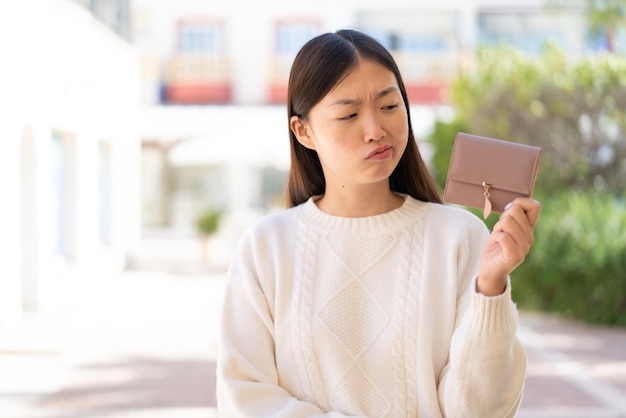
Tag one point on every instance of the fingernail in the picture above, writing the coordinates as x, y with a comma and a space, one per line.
508, 205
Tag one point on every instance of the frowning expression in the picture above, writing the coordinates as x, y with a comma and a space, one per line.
359, 129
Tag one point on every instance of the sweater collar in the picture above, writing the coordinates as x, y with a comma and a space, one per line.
410, 209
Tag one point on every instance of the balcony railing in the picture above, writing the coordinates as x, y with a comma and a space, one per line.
280, 67
197, 78
426, 75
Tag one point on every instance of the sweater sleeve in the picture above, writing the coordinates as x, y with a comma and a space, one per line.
486, 368
247, 378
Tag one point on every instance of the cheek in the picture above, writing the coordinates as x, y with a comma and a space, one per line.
339, 138
400, 129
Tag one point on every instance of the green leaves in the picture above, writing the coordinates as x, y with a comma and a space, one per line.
577, 265
208, 222
574, 110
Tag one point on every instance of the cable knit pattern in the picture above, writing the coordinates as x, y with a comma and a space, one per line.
359, 254
405, 341
353, 305
306, 244
366, 317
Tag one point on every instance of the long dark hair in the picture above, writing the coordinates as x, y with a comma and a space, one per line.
319, 65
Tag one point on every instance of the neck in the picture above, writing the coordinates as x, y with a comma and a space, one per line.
359, 201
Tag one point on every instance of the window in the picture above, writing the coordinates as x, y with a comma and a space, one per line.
290, 36
63, 195
529, 30
198, 72
200, 37
421, 43
104, 192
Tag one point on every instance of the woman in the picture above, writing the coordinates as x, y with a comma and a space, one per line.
368, 297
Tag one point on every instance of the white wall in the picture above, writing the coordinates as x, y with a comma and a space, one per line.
63, 73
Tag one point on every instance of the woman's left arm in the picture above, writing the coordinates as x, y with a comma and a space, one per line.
486, 367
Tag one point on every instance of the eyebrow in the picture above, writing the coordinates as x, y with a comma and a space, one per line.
380, 94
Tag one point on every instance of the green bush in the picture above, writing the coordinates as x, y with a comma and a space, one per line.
208, 221
442, 140
574, 109
577, 266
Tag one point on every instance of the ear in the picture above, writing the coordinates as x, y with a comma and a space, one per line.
302, 132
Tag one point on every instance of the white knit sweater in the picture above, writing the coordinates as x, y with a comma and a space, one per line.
368, 317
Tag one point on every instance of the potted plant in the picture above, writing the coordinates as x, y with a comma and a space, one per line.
207, 224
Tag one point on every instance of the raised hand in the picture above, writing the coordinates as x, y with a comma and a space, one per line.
508, 245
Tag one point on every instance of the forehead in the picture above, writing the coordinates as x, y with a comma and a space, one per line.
367, 77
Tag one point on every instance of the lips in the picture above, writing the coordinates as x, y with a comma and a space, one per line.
378, 151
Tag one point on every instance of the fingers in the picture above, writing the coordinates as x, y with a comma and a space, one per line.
529, 206
514, 220
513, 252
514, 231
510, 240
517, 231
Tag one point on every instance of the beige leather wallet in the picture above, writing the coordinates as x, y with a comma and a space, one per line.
488, 173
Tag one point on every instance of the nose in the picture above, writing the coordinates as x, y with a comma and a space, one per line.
373, 130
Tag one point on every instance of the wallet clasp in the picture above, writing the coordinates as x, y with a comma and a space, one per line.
488, 206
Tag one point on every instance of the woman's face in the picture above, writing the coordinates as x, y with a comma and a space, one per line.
359, 129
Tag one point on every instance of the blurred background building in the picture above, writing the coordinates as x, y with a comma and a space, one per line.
69, 143
119, 117
214, 80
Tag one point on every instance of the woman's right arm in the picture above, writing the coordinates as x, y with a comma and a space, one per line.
247, 377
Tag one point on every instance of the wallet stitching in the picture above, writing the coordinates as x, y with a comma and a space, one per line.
493, 186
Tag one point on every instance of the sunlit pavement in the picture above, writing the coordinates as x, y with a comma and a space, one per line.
143, 344
574, 370
137, 344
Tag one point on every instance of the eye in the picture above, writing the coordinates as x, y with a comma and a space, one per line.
348, 117
390, 107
